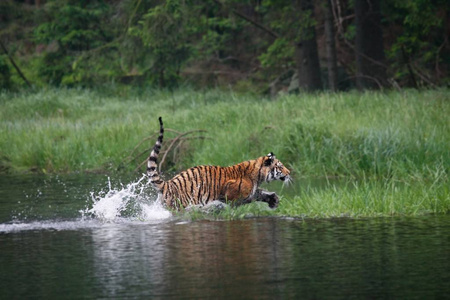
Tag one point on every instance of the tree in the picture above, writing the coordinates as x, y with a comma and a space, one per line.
420, 52
295, 40
253, 44
331, 46
370, 68
306, 54
165, 31
67, 30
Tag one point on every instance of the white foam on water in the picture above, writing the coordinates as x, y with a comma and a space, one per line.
133, 203
130, 203
49, 225
154, 211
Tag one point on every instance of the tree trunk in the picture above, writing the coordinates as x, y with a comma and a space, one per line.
370, 69
331, 47
307, 58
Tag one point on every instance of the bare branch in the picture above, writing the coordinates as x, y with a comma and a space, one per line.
340, 28
423, 76
251, 21
171, 145
380, 86
438, 70
174, 143
140, 166
142, 141
14, 64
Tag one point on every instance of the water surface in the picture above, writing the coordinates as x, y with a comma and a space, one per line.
87, 237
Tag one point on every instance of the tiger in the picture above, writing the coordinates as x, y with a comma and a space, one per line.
237, 184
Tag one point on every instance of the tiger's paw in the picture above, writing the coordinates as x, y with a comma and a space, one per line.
273, 201
269, 197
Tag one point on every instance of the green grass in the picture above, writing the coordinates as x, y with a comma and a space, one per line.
370, 198
394, 144
354, 199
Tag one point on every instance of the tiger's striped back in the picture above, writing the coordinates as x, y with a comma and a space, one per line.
202, 184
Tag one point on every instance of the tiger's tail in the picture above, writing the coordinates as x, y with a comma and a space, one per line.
152, 172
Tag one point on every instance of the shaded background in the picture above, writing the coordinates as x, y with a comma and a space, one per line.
259, 46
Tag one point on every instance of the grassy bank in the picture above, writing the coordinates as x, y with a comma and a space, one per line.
399, 139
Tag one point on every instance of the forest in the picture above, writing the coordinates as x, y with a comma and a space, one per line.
258, 46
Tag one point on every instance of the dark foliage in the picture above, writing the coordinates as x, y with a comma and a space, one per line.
259, 46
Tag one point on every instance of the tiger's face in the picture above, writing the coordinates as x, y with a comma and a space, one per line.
275, 170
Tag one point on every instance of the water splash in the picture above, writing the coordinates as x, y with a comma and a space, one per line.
130, 203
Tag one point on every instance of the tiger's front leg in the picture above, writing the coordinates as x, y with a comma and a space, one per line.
269, 197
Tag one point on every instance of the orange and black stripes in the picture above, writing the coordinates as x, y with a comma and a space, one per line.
202, 184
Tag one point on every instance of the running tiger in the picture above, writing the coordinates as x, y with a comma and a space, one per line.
202, 184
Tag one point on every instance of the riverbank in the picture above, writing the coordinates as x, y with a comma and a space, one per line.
395, 144
351, 199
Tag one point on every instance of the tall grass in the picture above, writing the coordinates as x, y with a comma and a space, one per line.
370, 198
347, 134
390, 137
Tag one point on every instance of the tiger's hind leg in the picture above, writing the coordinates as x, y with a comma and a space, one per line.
269, 197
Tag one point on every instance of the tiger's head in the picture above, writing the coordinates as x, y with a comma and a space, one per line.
274, 169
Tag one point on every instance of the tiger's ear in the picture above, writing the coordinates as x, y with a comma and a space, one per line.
269, 159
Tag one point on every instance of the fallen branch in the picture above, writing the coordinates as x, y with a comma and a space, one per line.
152, 137
174, 144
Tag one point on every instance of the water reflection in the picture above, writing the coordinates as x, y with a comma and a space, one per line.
189, 259
127, 258
232, 255
269, 258
55, 253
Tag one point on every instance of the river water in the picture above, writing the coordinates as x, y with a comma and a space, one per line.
85, 236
